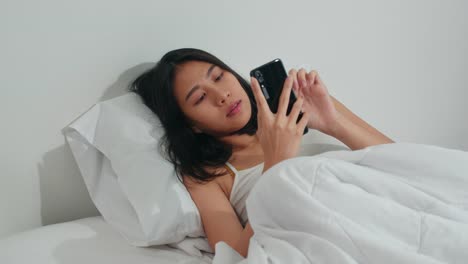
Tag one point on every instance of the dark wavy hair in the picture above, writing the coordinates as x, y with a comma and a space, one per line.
191, 153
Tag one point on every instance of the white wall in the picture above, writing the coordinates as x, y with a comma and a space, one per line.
400, 65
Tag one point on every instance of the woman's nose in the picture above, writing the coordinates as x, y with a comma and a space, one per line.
223, 95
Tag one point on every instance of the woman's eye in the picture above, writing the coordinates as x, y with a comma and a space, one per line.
219, 77
200, 99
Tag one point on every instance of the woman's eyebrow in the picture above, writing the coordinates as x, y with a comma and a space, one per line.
209, 71
194, 88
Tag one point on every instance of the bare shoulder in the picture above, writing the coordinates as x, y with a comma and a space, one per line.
222, 181
191, 182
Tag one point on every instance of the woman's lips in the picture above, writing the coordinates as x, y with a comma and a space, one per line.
235, 108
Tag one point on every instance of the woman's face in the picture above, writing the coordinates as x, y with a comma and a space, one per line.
206, 93
211, 98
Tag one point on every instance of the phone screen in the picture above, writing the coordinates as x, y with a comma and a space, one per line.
271, 77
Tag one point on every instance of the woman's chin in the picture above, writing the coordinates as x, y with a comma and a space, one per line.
241, 125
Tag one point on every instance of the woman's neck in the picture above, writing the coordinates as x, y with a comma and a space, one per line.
241, 142
246, 152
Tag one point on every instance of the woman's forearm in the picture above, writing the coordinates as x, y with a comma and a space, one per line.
355, 132
242, 245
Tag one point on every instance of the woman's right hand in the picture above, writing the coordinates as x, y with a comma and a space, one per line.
279, 134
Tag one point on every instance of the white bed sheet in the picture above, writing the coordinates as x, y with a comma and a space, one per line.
88, 240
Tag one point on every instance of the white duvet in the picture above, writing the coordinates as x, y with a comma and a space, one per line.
393, 203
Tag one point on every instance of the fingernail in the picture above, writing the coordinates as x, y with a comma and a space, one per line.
252, 80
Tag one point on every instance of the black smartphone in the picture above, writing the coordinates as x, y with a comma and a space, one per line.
271, 77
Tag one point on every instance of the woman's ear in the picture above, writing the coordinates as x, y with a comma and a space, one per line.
193, 126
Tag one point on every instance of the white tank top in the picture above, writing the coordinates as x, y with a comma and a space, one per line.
244, 181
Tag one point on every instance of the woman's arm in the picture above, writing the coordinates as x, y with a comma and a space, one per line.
353, 131
219, 219
242, 245
331, 117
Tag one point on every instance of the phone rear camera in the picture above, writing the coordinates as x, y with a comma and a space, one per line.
259, 76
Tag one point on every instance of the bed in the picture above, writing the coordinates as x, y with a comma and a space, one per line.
391, 203
88, 240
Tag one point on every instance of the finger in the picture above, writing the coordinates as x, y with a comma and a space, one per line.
262, 104
311, 77
315, 81
303, 122
318, 80
284, 99
295, 111
293, 72
301, 75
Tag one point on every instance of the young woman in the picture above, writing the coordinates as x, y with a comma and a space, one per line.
213, 117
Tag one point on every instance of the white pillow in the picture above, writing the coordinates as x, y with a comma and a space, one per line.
115, 145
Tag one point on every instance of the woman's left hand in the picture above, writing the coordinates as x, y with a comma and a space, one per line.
317, 101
